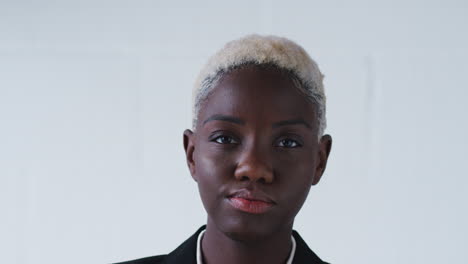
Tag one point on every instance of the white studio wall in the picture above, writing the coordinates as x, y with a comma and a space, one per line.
95, 95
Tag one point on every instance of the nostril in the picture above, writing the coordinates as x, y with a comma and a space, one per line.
244, 178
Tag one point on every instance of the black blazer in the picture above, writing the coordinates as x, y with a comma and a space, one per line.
186, 253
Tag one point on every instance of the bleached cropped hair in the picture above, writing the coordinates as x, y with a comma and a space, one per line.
263, 50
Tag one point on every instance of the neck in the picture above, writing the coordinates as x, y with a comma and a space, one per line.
217, 247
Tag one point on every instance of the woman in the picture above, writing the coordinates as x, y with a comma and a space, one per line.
256, 148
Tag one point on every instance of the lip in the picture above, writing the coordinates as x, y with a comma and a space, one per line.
250, 202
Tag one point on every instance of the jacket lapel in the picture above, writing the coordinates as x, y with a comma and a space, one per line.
303, 253
186, 253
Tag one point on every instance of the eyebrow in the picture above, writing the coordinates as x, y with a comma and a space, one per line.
291, 122
239, 121
225, 118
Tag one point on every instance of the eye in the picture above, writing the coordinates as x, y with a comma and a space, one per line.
288, 143
225, 140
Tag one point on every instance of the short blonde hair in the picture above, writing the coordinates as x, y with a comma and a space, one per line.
263, 50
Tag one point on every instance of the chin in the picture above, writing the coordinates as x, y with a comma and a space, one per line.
254, 229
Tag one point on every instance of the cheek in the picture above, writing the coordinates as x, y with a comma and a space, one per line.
296, 167
294, 194
299, 195
212, 166
212, 173
295, 175
212, 162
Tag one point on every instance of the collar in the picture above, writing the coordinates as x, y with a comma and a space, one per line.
199, 252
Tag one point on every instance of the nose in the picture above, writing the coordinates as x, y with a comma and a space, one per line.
254, 166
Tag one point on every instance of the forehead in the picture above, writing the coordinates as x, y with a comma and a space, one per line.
258, 94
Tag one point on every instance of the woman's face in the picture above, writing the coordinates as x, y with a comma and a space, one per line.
255, 152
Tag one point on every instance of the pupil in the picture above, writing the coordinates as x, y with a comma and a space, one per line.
287, 142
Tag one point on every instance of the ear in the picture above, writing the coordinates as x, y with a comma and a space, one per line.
325, 145
189, 146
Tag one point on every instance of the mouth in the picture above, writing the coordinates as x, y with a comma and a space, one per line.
250, 202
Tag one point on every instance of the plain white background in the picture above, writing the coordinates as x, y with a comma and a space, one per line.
95, 95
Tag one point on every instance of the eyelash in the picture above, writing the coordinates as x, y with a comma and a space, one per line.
295, 142
221, 139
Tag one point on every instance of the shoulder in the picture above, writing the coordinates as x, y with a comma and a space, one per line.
185, 253
147, 260
303, 253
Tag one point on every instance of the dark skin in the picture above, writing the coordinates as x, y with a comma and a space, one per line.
257, 132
